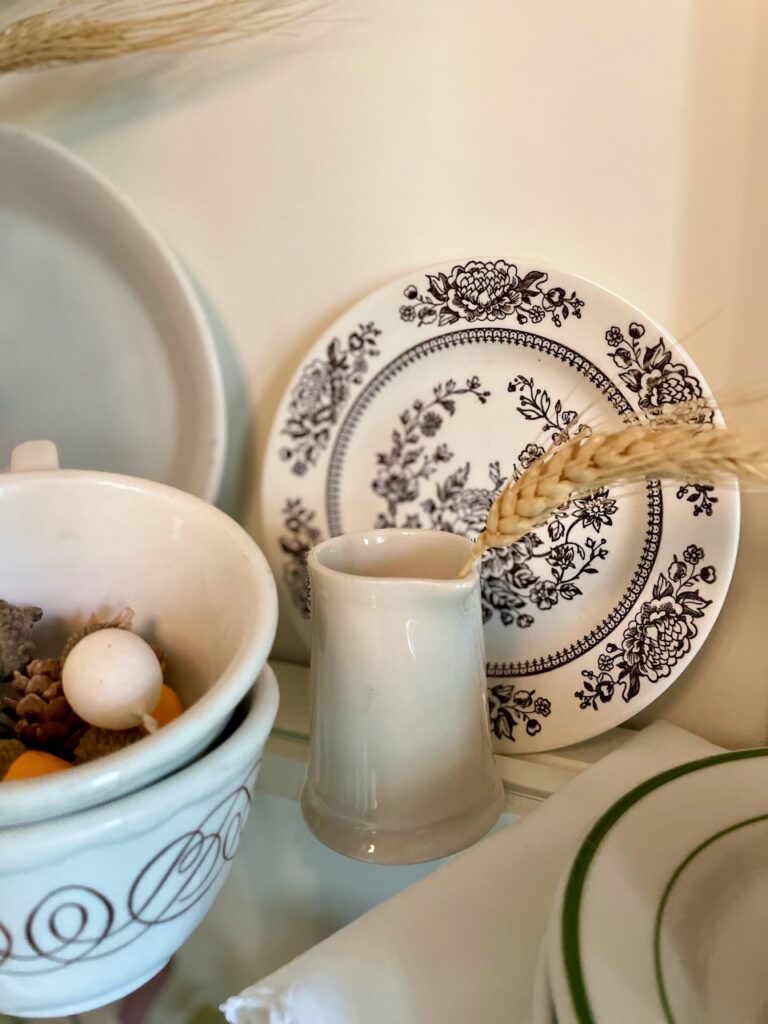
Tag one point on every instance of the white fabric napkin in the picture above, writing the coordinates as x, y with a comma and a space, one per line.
461, 944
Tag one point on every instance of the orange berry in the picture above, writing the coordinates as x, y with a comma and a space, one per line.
168, 707
33, 764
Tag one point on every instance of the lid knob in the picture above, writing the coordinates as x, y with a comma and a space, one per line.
34, 455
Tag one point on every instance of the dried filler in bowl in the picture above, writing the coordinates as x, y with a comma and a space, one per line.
105, 690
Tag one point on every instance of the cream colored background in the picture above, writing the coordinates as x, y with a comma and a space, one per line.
625, 141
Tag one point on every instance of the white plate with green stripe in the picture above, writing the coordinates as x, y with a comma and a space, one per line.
664, 915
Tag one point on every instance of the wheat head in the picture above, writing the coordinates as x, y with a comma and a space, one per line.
78, 31
681, 450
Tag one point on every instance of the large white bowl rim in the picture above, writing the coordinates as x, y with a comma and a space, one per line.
126, 770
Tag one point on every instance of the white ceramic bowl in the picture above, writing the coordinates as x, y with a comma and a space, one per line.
94, 904
73, 542
105, 345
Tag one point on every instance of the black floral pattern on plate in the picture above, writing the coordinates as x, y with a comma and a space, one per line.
411, 460
322, 392
657, 638
509, 707
534, 404
488, 291
701, 496
650, 372
540, 570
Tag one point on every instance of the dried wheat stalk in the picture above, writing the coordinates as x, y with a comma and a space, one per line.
676, 449
77, 31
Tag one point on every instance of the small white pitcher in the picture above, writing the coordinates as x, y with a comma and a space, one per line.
401, 768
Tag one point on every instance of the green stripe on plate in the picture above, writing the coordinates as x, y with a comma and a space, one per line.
657, 965
569, 923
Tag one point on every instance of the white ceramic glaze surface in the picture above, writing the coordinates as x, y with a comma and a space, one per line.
100, 325
401, 768
77, 542
95, 903
542, 1007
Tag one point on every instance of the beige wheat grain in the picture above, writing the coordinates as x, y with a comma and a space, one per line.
78, 31
672, 449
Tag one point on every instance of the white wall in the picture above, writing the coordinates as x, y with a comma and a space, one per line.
623, 140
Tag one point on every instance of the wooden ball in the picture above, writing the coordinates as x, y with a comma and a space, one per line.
113, 679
